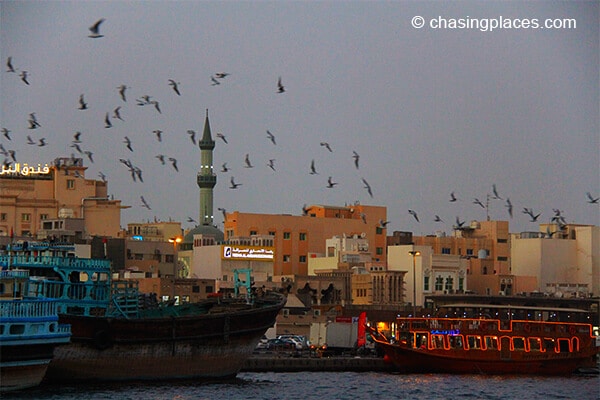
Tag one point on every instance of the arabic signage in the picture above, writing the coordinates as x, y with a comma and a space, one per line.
248, 253
18, 169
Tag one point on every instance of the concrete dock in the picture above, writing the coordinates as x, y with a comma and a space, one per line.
274, 363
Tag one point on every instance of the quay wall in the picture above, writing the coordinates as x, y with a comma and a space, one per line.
316, 364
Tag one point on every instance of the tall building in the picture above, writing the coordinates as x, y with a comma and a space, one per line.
296, 238
56, 198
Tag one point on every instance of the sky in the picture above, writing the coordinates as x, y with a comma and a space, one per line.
452, 106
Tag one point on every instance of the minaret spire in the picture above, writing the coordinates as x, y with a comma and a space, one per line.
206, 179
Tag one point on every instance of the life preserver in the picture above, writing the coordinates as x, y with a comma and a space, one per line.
102, 340
572, 330
527, 328
482, 326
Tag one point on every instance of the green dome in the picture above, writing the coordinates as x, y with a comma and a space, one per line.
206, 230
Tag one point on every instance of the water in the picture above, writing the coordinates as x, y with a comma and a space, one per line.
332, 386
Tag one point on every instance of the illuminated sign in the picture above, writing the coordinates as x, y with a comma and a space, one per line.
24, 170
247, 253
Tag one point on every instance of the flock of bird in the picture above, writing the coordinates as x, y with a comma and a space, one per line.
115, 116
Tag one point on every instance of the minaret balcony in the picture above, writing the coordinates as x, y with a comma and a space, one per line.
207, 181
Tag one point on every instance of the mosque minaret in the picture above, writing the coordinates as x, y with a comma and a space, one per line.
207, 179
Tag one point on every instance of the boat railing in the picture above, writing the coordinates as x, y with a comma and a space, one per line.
34, 308
14, 273
22, 260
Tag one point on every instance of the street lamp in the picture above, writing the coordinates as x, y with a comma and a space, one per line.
414, 254
175, 240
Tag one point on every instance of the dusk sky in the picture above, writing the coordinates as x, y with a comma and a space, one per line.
429, 110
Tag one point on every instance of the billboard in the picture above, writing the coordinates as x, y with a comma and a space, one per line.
247, 253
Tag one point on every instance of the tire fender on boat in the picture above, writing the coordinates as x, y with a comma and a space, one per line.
102, 340
527, 328
572, 330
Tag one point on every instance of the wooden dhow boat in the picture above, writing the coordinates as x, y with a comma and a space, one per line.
116, 338
498, 339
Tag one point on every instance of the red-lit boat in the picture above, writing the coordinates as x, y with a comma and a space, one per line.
495, 339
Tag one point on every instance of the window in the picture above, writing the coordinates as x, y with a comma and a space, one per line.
461, 283
378, 230
491, 342
271, 233
302, 259
209, 289
379, 251
43, 216
502, 240
169, 258
253, 233
439, 283
71, 184
286, 258
500, 258
469, 252
287, 235
426, 283
3, 217
195, 289
302, 236
449, 283
445, 250
26, 217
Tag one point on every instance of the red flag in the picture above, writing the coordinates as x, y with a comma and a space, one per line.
12, 234
362, 329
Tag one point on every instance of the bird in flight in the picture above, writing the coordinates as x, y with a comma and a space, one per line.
223, 211
478, 202
414, 214
221, 75
592, 199
174, 163
30, 140
117, 113
363, 216
128, 143
529, 211
247, 161
76, 147
313, 170
327, 146
280, 87
107, 123
437, 219
222, 137
122, 90
82, 104
102, 176
23, 76
190, 219
233, 184
158, 134
175, 86
95, 29
77, 137
509, 206
9, 65
356, 158
145, 203
459, 223
271, 164
367, 186
452, 197
90, 155
6, 133
224, 168
330, 183
214, 81
192, 134
161, 158
495, 193
383, 223
33, 122
271, 136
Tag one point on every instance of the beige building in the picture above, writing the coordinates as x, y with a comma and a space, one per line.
565, 263
33, 193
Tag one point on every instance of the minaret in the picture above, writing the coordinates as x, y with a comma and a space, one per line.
207, 179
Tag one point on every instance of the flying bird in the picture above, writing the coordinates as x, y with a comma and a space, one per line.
158, 134
117, 113
271, 164
190, 219
437, 219
77, 137
367, 186
495, 193
414, 214
107, 123
363, 216
161, 158
529, 211
356, 158
214, 81
175, 86
174, 163
452, 197
478, 202
233, 184
459, 223
42, 142
222, 137
145, 203
30, 140
102, 176
330, 183
280, 87
156, 105
247, 161
128, 143
313, 170
6, 133
271, 136
90, 155
326, 145
23, 76
592, 199
224, 212
95, 29
383, 223
9, 65
82, 104
221, 75
192, 134
122, 90
33, 122
224, 168
509, 206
